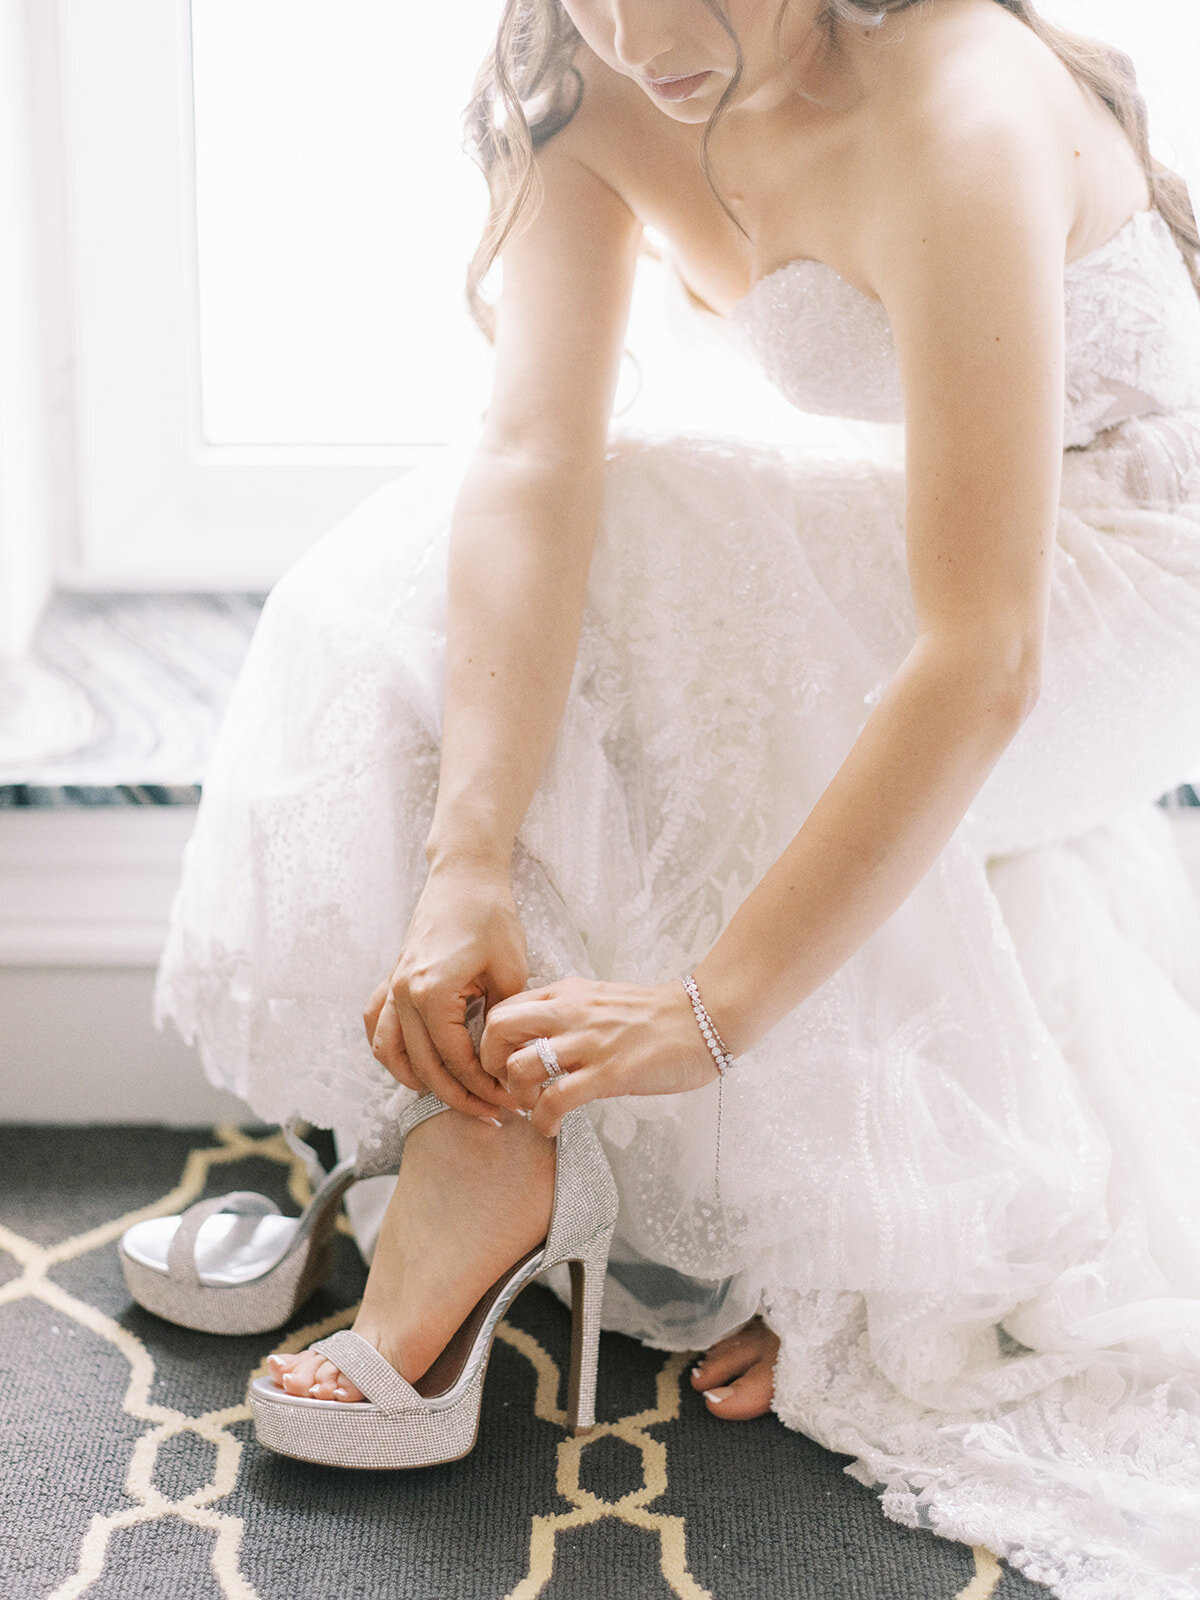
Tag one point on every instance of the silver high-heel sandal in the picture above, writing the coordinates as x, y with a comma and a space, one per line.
400, 1424
233, 1264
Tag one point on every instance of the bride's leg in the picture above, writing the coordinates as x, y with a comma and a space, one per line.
471, 1199
737, 1376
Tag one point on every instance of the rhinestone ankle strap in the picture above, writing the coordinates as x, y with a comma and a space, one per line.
707, 1027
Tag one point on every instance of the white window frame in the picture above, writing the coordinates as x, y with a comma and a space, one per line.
27, 369
156, 507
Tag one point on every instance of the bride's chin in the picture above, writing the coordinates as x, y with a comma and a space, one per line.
683, 110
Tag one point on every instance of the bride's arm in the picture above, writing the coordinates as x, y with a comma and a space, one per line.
520, 548
969, 267
526, 516
967, 255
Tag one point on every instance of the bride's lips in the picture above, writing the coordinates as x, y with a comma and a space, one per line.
676, 88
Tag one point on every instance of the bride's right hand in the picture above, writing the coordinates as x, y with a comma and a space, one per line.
465, 942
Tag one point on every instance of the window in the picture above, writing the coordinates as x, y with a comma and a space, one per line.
335, 212
270, 217
267, 217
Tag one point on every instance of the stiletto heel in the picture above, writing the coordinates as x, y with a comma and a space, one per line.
400, 1424
587, 1295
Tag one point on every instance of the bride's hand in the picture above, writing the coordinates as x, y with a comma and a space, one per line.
465, 941
610, 1039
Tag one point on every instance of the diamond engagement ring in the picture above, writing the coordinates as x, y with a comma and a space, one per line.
549, 1060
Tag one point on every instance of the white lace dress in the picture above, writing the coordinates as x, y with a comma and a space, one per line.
963, 1179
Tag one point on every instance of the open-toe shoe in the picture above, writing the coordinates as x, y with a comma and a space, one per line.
400, 1424
233, 1264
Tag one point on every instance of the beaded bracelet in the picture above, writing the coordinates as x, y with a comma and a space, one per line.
707, 1027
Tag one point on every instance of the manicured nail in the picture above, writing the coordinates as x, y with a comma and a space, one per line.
716, 1395
495, 1122
695, 1372
341, 1393
525, 1114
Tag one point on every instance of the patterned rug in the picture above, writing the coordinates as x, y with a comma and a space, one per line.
131, 1469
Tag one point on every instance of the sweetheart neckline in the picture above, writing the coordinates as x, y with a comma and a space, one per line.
800, 262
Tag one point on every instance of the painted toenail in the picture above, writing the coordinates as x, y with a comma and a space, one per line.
695, 1372
716, 1395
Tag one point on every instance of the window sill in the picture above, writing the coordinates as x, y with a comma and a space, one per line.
120, 698
105, 733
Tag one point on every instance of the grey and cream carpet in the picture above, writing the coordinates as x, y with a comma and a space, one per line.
130, 1468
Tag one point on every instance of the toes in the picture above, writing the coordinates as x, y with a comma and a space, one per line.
748, 1396
324, 1381
313, 1377
737, 1376
298, 1378
729, 1358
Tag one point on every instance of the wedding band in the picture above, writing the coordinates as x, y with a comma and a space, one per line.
549, 1060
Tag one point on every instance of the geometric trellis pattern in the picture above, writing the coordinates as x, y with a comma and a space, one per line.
170, 1495
164, 1422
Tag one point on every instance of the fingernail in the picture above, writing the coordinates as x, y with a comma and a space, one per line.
525, 1114
716, 1395
495, 1122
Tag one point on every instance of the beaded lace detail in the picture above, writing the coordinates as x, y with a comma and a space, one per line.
1133, 336
964, 1176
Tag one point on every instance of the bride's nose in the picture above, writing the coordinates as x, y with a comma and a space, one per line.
642, 35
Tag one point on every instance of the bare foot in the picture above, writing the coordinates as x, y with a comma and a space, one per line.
470, 1201
737, 1376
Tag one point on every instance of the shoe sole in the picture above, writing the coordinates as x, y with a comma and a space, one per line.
359, 1435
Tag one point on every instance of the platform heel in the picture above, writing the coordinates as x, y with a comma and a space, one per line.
233, 1264
400, 1424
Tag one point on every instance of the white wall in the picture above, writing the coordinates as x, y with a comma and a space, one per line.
84, 898
77, 1045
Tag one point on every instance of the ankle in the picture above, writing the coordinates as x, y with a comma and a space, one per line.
473, 1139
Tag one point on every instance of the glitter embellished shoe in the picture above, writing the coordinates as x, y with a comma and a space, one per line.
405, 1425
233, 1264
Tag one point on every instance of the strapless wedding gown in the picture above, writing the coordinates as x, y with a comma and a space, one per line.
962, 1181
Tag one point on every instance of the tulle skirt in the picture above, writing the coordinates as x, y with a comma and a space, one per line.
962, 1180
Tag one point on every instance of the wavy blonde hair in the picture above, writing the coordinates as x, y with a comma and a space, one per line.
529, 88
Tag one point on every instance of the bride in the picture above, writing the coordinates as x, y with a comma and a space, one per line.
869, 754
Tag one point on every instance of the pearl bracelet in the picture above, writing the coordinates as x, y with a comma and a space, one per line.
707, 1027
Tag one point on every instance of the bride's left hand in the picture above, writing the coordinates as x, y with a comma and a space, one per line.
610, 1039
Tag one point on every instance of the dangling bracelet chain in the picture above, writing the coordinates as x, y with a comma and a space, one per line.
720, 1055
707, 1027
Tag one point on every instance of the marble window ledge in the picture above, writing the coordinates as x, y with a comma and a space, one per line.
121, 697
119, 701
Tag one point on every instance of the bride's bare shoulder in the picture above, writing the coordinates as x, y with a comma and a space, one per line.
951, 77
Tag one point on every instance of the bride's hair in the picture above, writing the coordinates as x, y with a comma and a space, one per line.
529, 88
